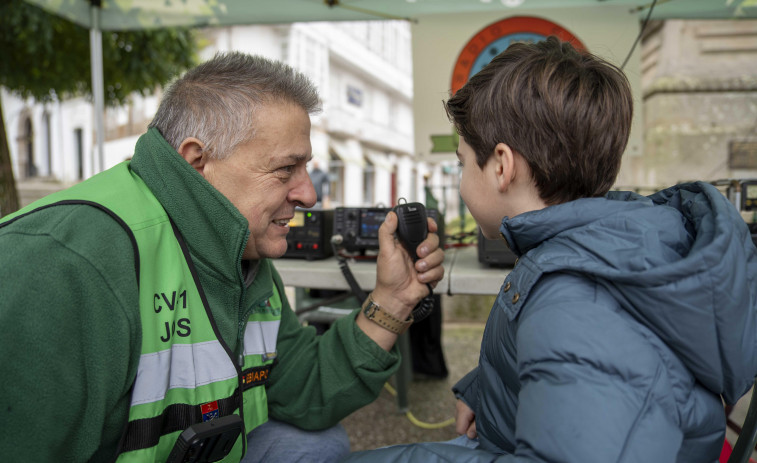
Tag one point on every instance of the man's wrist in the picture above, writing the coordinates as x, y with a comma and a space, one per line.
378, 315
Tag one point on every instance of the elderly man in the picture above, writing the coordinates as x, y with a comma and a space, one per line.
142, 302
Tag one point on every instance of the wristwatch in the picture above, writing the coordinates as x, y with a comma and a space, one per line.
377, 315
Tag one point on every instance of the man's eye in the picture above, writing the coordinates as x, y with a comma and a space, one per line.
460, 164
287, 169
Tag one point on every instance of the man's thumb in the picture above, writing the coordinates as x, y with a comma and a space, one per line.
386, 231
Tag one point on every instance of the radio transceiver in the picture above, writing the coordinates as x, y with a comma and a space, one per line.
359, 226
494, 253
310, 234
357, 230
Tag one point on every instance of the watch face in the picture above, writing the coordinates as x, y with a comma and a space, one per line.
495, 38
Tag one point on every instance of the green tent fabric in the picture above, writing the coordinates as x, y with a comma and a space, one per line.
139, 14
99, 15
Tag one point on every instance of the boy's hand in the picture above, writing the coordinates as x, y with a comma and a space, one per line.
465, 420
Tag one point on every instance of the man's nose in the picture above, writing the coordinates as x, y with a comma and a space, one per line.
304, 192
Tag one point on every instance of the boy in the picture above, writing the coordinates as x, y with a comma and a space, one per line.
626, 318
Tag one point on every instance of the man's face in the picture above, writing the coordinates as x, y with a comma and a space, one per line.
267, 177
478, 189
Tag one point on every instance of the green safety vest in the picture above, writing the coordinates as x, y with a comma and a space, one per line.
186, 373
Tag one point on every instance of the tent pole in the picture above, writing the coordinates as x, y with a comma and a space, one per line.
98, 86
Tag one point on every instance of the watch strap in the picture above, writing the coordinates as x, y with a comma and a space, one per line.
381, 317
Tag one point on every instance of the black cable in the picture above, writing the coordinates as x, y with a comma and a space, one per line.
425, 306
641, 32
421, 311
353, 284
356, 289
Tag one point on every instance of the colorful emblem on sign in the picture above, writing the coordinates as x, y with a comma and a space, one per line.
488, 43
495, 38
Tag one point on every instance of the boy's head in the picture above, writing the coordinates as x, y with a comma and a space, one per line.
567, 113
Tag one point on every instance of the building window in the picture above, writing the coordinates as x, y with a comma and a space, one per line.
369, 183
414, 184
79, 150
354, 96
48, 144
375, 36
390, 43
26, 149
336, 180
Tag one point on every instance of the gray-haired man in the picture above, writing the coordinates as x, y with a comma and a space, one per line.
155, 279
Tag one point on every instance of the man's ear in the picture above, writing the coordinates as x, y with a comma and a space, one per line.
503, 161
192, 150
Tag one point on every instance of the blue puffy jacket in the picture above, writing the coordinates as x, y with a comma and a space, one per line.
624, 322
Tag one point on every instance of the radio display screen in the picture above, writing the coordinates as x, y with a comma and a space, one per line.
751, 191
370, 221
298, 220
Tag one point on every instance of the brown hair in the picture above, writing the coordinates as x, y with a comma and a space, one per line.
568, 113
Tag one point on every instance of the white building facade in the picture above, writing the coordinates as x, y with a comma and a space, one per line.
363, 137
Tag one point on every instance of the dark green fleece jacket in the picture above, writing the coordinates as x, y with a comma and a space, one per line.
71, 331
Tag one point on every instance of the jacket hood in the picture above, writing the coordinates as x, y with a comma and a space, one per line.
681, 261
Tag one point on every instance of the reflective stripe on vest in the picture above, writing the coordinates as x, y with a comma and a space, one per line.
260, 338
185, 365
185, 374
181, 366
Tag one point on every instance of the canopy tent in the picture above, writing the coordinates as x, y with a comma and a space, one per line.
98, 15
138, 14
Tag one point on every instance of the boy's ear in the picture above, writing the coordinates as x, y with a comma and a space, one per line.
504, 165
191, 149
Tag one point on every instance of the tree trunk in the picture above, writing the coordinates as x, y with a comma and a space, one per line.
8, 192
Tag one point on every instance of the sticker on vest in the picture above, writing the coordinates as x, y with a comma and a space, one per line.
209, 410
265, 307
255, 376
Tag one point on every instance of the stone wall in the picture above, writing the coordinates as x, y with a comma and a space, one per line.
699, 81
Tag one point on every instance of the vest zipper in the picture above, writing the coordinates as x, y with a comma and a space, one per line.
243, 325
206, 305
240, 362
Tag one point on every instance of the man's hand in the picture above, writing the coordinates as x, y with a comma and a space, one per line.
400, 283
465, 420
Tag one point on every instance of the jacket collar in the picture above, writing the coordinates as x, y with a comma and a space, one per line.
213, 228
528, 230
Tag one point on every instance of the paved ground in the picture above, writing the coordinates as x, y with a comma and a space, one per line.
430, 401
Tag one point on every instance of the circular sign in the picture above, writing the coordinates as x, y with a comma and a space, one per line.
495, 38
